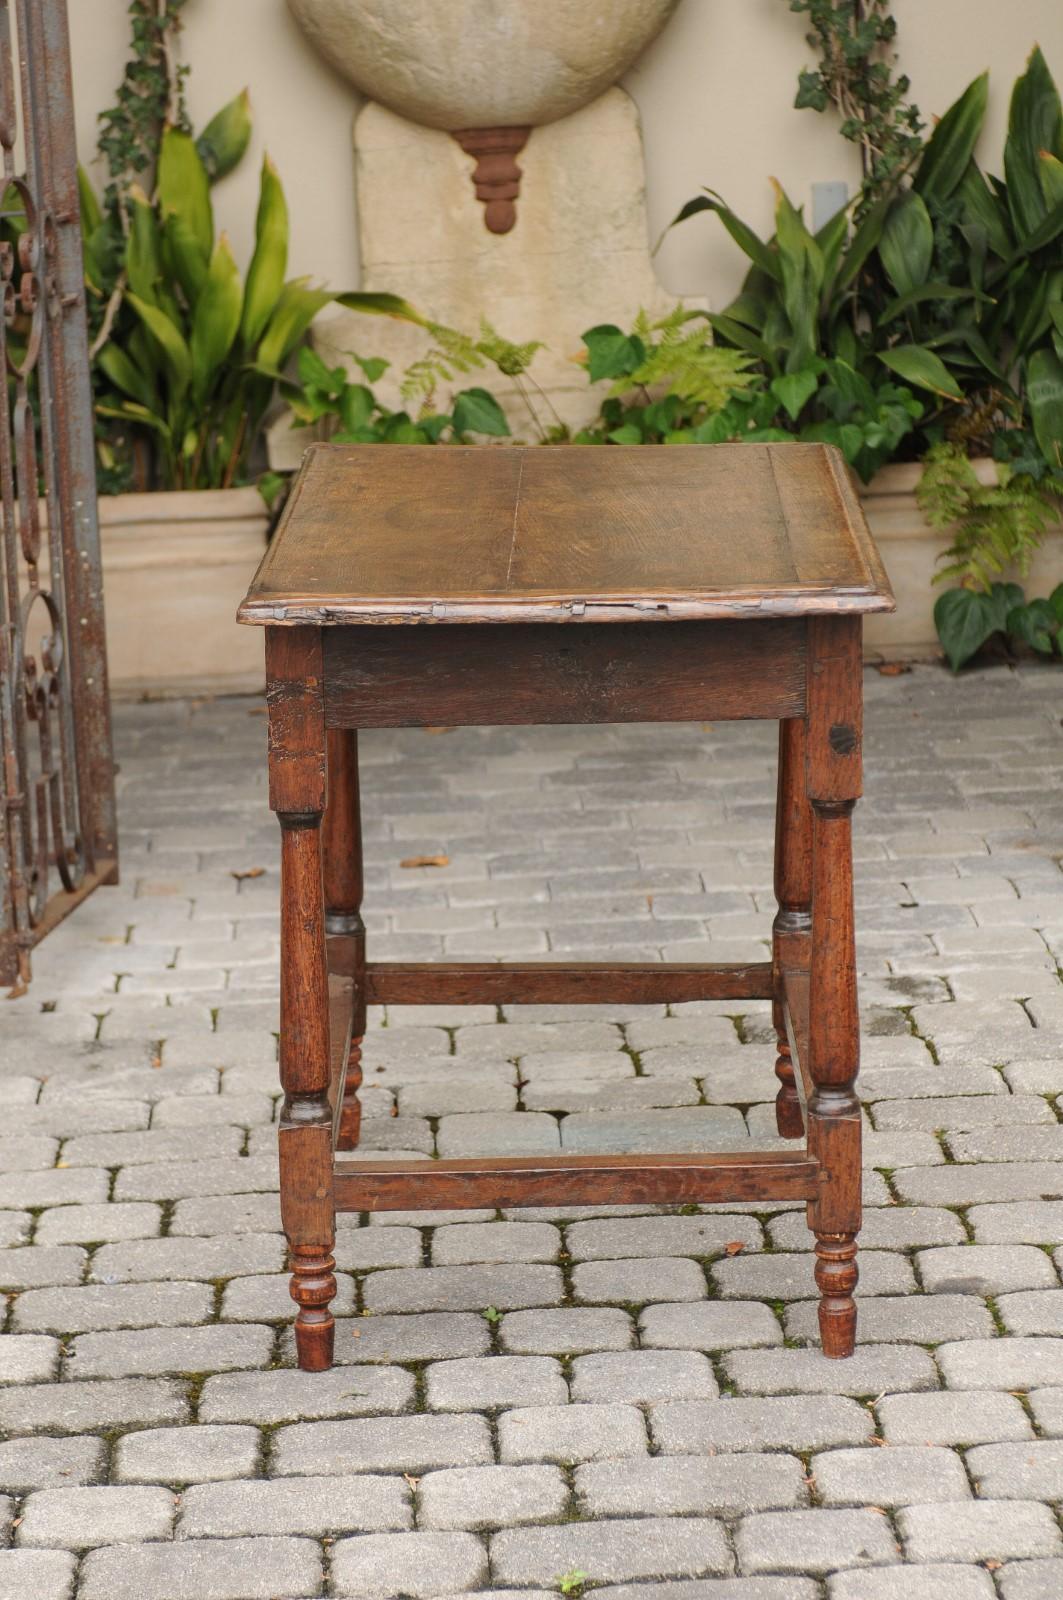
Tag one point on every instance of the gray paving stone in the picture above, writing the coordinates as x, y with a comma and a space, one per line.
163, 1144
709, 1325
1035, 1311
483, 1384
872, 1369
1002, 1363
952, 1418
965, 1185
27, 1464
691, 1128
981, 1530
714, 1588
121, 1306
491, 1497
1024, 1222
358, 1504
58, 1186
888, 1228
362, 1249
985, 1269
690, 1485
178, 1180
153, 1352
265, 1298
462, 1243
248, 1110
1031, 1580
638, 1280
41, 1266
566, 1331
497, 1133
464, 1288
432, 1336
789, 1276
621, 1238
390, 1444
141, 1260
916, 1319
236, 1213
895, 1476
74, 1519
644, 1547
570, 1433
380, 1565
482, 1094
783, 1422
289, 1394
962, 1112
85, 1224
187, 1455
1032, 1470
15, 1227
512, 1040
44, 1574
642, 1376
73, 1407
947, 1582
816, 1541
204, 1569
28, 1357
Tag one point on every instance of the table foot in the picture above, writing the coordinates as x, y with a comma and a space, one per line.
312, 1288
836, 1275
349, 1128
789, 1118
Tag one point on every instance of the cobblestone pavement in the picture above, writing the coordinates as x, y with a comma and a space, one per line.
632, 1395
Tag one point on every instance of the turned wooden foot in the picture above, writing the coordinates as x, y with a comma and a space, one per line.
312, 1288
789, 1118
836, 1275
350, 1120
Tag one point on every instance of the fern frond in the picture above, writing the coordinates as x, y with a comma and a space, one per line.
511, 359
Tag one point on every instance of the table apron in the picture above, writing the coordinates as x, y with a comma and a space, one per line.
483, 675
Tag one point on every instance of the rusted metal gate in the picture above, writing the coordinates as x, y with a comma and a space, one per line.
57, 828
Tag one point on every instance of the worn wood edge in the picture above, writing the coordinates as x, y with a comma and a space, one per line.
560, 982
575, 1179
335, 610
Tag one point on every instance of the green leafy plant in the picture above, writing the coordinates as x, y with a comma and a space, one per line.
348, 412
967, 618
572, 1582
996, 525
854, 75
193, 358
668, 379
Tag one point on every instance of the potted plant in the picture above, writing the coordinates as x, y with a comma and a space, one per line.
921, 331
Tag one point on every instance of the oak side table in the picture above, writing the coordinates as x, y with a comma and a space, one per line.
409, 587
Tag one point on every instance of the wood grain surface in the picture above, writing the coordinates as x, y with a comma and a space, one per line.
411, 534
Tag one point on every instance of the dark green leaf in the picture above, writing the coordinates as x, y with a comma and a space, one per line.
611, 353
630, 433
923, 368
1035, 123
950, 147
477, 411
793, 389
225, 138
1035, 624
964, 621
906, 247
1044, 388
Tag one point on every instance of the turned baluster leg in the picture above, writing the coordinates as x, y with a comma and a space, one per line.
834, 778
342, 837
297, 795
791, 930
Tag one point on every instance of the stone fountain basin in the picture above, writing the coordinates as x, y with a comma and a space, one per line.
481, 63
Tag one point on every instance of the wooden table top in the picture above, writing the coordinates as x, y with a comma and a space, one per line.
416, 534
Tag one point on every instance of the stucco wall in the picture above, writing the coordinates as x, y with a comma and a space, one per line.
715, 93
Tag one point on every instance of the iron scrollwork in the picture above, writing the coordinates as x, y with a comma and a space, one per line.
57, 834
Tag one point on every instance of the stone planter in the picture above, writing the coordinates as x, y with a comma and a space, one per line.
175, 568
910, 549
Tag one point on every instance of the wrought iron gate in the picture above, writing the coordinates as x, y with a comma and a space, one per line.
57, 826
